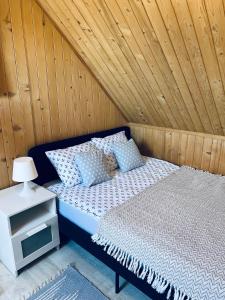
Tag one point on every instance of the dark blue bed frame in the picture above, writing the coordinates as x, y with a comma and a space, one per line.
69, 230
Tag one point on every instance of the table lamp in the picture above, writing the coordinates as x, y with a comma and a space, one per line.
24, 170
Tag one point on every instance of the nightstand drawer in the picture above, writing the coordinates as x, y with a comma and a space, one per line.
38, 239
35, 242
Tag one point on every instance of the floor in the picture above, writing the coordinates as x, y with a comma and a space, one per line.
101, 276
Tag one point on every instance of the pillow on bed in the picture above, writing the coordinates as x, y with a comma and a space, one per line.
128, 155
92, 167
63, 161
105, 144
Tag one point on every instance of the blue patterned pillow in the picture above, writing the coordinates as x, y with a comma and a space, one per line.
92, 167
128, 155
105, 145
63, 162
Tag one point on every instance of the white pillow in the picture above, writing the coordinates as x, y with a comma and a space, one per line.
63, 161
105, 144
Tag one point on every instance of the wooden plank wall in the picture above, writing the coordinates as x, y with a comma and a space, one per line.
46, 92
162, 61
199, 150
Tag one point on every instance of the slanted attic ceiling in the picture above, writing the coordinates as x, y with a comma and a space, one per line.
162, 61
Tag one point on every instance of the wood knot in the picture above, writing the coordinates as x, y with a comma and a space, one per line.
16, 127
27, 88
11, 94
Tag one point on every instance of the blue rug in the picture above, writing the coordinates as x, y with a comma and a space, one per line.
69, 285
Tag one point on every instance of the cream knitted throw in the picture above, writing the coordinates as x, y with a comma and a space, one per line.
173, 235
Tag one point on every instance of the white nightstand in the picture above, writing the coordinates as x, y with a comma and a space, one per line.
28, 227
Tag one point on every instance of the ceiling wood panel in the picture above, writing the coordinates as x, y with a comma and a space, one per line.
161, 61
191, 43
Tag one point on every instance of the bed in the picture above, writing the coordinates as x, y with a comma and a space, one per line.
86, 224
162, 254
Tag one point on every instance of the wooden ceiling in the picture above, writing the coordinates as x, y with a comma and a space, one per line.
161, 61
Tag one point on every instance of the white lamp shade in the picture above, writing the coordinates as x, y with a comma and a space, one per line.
24, 169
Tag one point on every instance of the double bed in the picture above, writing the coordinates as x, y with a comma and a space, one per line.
76, 224
82, 209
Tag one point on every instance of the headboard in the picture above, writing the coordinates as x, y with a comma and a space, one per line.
46, 172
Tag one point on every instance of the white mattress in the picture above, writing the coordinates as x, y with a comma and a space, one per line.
84, 206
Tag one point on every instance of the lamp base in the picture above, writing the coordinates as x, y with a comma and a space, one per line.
27, 190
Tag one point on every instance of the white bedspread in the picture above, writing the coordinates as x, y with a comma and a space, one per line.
99, 199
